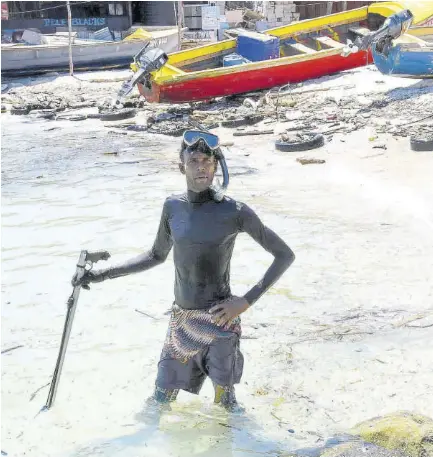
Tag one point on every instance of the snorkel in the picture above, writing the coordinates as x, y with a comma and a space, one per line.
191, 138
218, 190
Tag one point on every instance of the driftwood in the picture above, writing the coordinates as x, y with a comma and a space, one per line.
33, 395
145, 314
12, 349
254, 132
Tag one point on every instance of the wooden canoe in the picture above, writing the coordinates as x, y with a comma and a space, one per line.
87, 55
308, 49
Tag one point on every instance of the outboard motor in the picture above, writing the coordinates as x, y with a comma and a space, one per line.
146, 61
393, 27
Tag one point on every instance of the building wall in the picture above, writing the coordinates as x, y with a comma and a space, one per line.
279, 13
50, 25
309, 10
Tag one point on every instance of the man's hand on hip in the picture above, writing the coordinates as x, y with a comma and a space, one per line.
227, 310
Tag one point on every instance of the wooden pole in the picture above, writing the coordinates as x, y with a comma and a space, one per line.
71, 63
179, 23
130, 13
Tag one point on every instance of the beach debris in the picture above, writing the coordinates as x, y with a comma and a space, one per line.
254, 132
299, 142
307, 161
20, 110
117, 114
11, 349
380, 146
335, 106
248, 102
422, 142
33, 395
43, 114
145, 314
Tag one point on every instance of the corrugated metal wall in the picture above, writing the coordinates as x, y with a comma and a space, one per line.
309, 10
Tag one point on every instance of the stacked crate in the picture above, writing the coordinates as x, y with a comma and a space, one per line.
279, 13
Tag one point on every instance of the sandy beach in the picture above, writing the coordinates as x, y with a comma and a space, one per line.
344, 336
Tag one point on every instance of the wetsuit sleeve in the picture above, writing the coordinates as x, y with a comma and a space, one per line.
250, 223
157, 254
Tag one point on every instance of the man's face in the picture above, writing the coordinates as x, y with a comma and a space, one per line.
200, 170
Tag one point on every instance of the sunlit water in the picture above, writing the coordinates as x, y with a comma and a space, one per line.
62, 193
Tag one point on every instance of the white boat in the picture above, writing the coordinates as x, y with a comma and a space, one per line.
32, 59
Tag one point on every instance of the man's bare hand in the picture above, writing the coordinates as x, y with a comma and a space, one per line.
224, 312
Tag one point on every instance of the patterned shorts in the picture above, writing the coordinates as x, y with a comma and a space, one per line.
195, 348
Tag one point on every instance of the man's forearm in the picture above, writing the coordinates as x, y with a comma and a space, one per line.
135, 265
280, 264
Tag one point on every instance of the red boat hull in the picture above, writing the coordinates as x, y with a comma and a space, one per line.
207, 87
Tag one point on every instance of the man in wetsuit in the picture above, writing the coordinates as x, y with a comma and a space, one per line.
202, 225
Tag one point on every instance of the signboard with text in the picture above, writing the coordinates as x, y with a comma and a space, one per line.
75, 21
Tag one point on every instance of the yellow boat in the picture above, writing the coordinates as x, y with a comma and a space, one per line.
307, 49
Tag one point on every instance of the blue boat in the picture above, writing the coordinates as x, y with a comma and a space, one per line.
407, 57
395, 50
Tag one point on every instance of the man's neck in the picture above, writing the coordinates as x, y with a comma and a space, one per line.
199, 197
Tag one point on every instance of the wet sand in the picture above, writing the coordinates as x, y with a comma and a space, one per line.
333, 343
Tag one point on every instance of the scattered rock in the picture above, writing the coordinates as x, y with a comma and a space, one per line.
404, 431
358, 449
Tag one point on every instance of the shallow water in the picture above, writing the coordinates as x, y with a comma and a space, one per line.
350, 226
61, 193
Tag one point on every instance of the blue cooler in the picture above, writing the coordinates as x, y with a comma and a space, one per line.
233, 59
257, 46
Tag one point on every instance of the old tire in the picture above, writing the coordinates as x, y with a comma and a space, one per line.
421, 144
119, 115
314, 141
20, 111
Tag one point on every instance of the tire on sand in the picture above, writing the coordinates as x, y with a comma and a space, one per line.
421, 144
117, 115
311, 141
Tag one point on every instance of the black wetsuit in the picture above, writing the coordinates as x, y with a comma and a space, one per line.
203, 234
